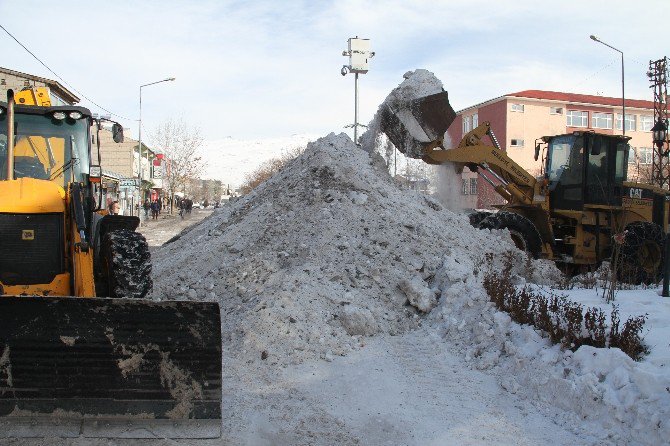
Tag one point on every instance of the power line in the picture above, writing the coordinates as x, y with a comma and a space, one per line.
63, 80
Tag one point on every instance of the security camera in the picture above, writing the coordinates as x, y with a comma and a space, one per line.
344, 70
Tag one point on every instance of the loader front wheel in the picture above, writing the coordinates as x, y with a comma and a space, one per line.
126, 264
641, 254
524, 233
478, 216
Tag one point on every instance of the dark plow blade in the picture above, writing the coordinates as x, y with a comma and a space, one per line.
121, 368
432, 113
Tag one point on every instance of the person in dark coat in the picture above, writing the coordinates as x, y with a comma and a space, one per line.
155, 209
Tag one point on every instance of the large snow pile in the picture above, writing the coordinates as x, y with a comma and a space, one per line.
323, 253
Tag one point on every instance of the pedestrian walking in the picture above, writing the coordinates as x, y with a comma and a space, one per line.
155, 209
147, 207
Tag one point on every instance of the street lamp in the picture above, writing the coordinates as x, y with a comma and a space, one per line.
623, 96
659, 133
139, 157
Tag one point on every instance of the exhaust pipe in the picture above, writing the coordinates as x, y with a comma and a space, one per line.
10, 134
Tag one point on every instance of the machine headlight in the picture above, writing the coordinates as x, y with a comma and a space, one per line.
59, 115
75, 115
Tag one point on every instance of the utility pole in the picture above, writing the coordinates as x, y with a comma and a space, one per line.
658, 76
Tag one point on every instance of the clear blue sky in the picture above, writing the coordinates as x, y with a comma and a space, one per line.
252, 69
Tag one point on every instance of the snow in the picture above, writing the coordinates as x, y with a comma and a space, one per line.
353, 313
417, 84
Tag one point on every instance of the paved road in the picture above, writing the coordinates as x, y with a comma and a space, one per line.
167, 226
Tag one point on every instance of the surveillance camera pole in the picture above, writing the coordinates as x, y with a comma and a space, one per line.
356, 108
359, 53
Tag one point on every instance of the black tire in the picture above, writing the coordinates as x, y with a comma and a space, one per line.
524, 233
126, 264
641, 254
477, 217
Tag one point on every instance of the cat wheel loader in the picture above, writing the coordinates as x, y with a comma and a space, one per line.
82, 352
579, 212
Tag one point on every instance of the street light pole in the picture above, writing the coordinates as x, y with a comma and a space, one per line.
139, 154
623, 95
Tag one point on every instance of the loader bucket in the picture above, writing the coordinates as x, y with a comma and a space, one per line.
111, 368
414, 125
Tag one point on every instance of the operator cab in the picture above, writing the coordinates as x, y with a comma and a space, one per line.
586, 168
50, 143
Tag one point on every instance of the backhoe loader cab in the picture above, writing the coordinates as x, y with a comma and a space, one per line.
49, 144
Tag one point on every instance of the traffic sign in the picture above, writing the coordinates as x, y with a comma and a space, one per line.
132, 182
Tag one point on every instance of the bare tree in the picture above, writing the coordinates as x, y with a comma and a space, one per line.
268, 168
180, 143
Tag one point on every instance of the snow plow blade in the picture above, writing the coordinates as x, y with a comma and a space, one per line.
111, 368
418, 124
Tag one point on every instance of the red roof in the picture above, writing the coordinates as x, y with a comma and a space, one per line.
581, 98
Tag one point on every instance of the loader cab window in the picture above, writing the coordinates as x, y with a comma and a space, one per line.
621, 164
565, 171
606, 170
47, 148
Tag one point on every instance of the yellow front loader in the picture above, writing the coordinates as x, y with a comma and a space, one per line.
82, 352
579, 212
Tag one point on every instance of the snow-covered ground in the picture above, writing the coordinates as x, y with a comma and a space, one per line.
353, 313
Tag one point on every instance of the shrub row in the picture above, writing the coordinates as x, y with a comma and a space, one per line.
564, 322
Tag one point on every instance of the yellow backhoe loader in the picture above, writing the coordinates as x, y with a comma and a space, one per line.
82, 352
576, 213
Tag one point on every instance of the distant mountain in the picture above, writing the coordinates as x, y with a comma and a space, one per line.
230, 159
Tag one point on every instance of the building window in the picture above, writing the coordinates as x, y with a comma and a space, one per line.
556, 110
645, 155
464, 189
473, 186
475, 120
577, 118
517, 108
632, 157
467, 124
630, 122
646, 123
601, 120
516, 143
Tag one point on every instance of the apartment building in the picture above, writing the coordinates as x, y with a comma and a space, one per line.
519, 119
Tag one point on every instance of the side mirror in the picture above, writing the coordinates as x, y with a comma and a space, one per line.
117, 133
537, 151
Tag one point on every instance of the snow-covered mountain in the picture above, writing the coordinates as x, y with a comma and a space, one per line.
230, 159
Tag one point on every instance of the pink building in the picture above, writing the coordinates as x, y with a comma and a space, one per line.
518, 119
